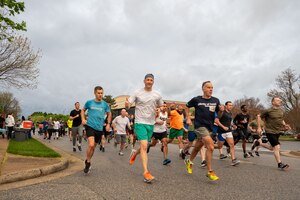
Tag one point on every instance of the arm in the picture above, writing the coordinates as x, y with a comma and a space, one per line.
108, 121
83, 120
217, 121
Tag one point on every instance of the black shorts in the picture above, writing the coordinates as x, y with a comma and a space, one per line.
90, 132
256, 137
242, 134
273, 139
160, 136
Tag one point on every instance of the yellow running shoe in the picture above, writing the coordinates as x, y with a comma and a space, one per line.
212, 176
189, 166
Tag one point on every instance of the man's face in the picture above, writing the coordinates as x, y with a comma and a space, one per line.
229, 106
77, 106
99, 94
180, 109
149, 82
277, 102
208, 89
163, 107
245, 109
123, 112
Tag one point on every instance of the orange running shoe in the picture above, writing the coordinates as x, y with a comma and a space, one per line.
132, 157
148, 177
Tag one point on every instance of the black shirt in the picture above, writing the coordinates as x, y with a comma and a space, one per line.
226, 120
241, 120
204, 111
77, 120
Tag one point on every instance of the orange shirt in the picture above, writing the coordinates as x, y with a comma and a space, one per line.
176, 120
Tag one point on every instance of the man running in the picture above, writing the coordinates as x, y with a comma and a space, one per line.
97, 109
77, 128
146, 102
160, 132
205, 108
256, 136
119, 125
274, 125
225, 125
241, 121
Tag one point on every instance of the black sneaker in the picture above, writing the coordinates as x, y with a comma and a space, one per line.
246, 155
100, 148
74, 149
222, 156
256, 144
103, 150
148, 148
256, 153
87, 167
182, 155
283, 166
203, 163
79, 148
251, 154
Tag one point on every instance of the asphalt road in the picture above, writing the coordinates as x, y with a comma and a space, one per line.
113, 178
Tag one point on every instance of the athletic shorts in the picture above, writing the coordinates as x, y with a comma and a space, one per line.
175, 133
202, 132
273, 139
223, 136
256, 137
77, 130
191, 136
242, 134
160, 136
120, 138
143, 131
90, 132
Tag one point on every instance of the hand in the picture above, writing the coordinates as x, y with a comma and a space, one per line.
259, 131
234, 127
77, 115
127, 103
107, 127
83, 122
221, 108
287, 127
189, 121
225, 128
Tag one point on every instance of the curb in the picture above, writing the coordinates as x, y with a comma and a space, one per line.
33, 173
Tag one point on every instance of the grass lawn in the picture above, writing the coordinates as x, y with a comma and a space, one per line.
30, 147
287, 138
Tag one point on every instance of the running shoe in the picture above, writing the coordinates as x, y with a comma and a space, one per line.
189, 166
74, 149
256, 153
103, 149
203, 163
251, 154
212, 176
283, 166
121, 153
182, 155
87, 168
222, 156
246, 155
100, 148
148, 177
166, 161
79, 148
256, 144
235, 162
132, 157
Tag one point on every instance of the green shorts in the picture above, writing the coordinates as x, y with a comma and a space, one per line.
175, 133
144, 131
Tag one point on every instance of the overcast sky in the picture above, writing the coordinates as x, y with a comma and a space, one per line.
241, 46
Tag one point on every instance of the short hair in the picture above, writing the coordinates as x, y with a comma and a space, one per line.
243, 106
76, 102
227, 102
98, 88
275, 98
204, 83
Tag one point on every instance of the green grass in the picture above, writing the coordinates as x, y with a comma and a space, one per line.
287, 138
30, 147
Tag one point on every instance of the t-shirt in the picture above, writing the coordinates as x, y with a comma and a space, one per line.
77, 120
96, 113
204, 111
145, 104
176, 120
241, 120
273, 120
56, 125
70, 123
161, 118
253, 125
226, 120
121, 123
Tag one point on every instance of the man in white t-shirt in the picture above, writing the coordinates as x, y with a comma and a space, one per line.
119, 125
146, 102
160, 132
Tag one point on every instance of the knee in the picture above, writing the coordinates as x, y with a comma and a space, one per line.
210, 147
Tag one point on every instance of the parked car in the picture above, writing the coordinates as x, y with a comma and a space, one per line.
297, 137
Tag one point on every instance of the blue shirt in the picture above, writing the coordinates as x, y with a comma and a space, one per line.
96, 113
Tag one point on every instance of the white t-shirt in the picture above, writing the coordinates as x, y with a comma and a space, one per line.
56, 125
161, 128
145, 104
121, 123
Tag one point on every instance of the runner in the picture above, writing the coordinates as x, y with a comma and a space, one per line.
132, 135
69, 124
160, 132
119, 125
256, 136
146, 103
176, 126
241, 121
274, 125
205, 108
97, 108
225, 126
77, 128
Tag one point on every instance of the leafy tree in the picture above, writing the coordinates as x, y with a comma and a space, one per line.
8, 104
8, 9
18, 63
110, 100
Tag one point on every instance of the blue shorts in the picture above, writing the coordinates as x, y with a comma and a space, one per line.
191, 136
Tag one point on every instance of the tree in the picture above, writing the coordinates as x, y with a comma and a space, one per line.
8, 9
9, 104
18, 63
288, 85
253, 104
110, 100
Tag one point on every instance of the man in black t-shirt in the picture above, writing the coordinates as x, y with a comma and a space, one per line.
241, 120
205, 108
77, 128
